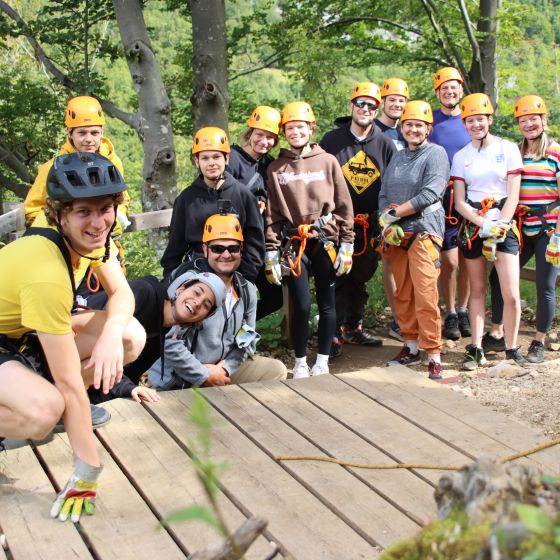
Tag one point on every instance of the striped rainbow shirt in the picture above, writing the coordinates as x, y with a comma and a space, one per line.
539, 187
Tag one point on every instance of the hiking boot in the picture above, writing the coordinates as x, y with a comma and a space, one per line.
395, 331
300, 371
99, 417
492, 344
451, 327
319, 369
405, 358
464, 324
358, 336
474, 357
535, 354
516, 356
434, 370
336, 348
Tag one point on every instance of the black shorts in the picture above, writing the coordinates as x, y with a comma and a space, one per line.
510, 245
450, 237
26, 351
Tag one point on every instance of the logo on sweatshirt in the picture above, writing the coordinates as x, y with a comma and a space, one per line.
360, 172
305, 176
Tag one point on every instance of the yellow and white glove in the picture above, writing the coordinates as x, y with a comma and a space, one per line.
387, 218
489, 247
78, 494
552, 255
393, 235
497, 229
343, 261
272, 270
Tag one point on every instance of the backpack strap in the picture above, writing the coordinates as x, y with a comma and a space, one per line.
56, 238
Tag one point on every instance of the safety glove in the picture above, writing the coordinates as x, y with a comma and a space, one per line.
552, 255
497, 229
323, 220
387, 218
489, 246
343, 261
78, 494
272, 270
121, 223
393, 235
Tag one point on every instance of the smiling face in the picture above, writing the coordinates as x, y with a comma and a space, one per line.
532, 126
415, 132
212, 164
262, 141
478, 126
86, 138
223, 262
449, 94
88, 222
298, 134
393, 106
364, 110
193, 303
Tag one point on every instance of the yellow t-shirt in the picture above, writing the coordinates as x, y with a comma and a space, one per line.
35, 289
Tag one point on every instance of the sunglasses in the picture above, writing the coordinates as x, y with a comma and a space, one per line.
361, 104
220, 249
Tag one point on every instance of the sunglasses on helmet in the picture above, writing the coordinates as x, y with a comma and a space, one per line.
369, 105
218, 249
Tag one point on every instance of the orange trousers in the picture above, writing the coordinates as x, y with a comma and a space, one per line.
416, 301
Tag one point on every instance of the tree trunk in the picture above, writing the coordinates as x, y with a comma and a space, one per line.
160, 166
483, 73
210, 99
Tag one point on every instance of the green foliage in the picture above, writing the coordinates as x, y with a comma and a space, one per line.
545, 544
141, 259
270, 330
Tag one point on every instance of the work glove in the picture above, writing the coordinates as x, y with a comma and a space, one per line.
272, 269
393, 235
78, 494
497, 229
552, 255
121, 223
489, 247
343, 261
323, 220
387, 218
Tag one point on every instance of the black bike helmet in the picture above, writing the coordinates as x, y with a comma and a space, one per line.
83, 175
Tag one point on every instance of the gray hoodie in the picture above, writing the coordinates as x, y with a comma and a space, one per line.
187, 349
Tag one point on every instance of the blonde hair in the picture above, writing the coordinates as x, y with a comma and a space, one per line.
542, 148
245, 137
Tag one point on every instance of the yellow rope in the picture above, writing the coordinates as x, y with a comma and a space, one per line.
342, 462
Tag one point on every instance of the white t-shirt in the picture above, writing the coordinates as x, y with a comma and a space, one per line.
485, 173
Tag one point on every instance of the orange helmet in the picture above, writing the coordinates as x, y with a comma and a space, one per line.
297, 111
210, 138
476, 104
445, 75
417, 110
222, 226
84, 111
366, 89
529, 105
265, 118
394, 86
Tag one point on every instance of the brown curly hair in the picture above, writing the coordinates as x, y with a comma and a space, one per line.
55, 207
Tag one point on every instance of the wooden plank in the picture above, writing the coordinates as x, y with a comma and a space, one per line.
483, 430
26, 495
133, 434
13, 220
297, 519
149, 220
369, 512
413, 495
404, 442
123, 527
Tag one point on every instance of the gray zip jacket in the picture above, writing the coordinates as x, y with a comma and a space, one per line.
187, 349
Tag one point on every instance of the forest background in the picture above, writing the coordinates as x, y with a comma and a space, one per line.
153, 64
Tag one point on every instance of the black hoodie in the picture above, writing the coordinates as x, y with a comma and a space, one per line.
248, 170
363, 162
190, 212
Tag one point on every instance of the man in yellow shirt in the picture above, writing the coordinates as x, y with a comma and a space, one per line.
40, 333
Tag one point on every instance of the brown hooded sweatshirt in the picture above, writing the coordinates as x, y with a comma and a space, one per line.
301, 189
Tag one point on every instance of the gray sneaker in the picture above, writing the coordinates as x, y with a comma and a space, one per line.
535, 354
99, 417
515, 355
474, 358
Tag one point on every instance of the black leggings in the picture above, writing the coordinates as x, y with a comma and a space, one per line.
545, 284
270, 296
317, 261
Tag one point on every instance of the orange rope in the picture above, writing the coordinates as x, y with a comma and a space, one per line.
362, 220
448, 217
92, 288
486, 204
302, 235
521, 212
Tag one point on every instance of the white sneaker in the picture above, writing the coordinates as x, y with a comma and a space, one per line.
300, 371
319, 369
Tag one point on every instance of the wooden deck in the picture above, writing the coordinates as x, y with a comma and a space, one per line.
315, 510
